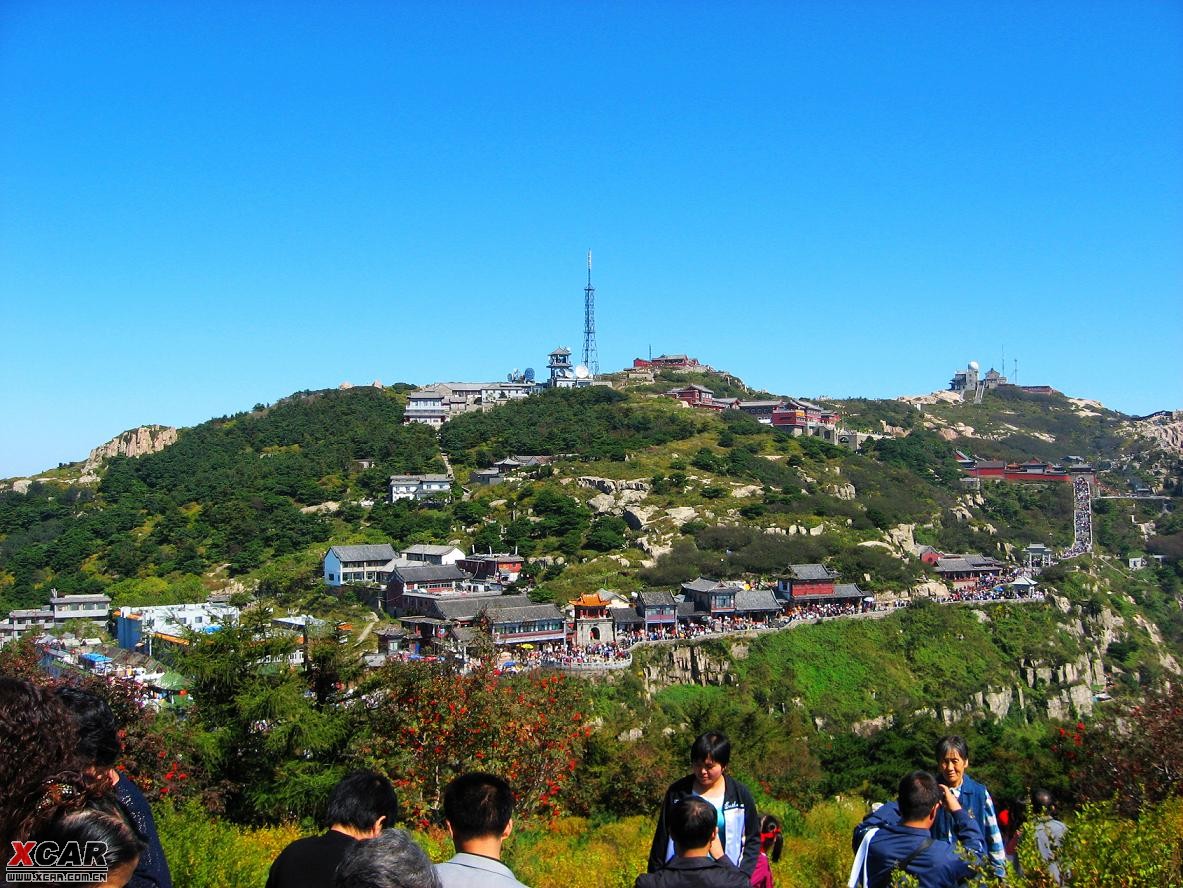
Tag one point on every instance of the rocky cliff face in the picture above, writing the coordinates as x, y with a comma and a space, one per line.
1059, 690
1166, 429
133, 443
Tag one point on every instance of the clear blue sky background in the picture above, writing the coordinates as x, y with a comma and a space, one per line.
203, 206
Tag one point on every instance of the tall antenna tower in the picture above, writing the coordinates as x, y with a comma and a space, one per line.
591, 360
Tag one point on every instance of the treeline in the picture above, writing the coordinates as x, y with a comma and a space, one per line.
729, 552
594, 422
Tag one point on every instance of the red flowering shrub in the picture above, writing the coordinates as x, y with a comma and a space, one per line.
1132, 754
426, 724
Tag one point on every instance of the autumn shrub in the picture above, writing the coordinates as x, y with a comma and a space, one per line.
820, 856
1103, 849
205, 852
580, 853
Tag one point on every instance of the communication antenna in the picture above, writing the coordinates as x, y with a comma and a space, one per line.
1016, 379
591, 360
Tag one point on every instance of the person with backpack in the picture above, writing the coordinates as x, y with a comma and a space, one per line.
906, 845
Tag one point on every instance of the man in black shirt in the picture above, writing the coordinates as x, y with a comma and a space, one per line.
360, 807
693, 825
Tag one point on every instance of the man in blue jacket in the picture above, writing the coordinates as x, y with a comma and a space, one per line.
908, 846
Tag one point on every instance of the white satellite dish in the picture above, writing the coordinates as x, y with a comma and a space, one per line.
973, 365
581, 372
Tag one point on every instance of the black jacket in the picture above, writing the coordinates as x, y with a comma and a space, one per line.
695, 872
152, 870
740, 835
310, 862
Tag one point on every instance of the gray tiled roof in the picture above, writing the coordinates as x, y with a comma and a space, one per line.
953, 565
811, 572
499, 613
376, 552
623, 616
427, 549
702, 584
466, 607
756, 601
426, 573
848, 590
983, 561
656, 598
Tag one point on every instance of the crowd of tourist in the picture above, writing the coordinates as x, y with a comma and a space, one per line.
569, 655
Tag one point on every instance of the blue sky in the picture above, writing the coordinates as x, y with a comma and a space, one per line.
204, 206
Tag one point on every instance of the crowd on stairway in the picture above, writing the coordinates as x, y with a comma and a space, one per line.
1082, 520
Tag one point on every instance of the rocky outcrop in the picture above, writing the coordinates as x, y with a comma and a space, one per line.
602, 503
688, 664
611, 486
637, 517
132, 443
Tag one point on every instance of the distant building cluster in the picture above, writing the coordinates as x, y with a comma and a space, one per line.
668, 362
1031, 470
971, 383
60, 610
793, 415
419, 488
435, 404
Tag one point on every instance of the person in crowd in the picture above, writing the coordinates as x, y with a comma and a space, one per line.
952, 755
104, 820
693, 827
38, 771
1010, 824
772, 842
1049, 832
360, 806
389, 860
478, 812
98, 749
738, 822
907, 845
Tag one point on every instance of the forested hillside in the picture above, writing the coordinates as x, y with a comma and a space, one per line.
225, 498
261, 494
